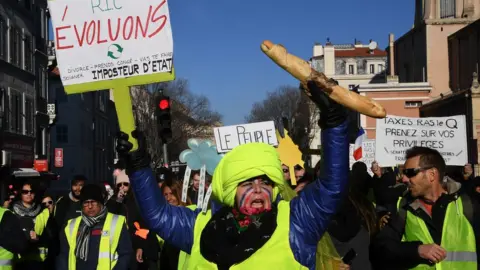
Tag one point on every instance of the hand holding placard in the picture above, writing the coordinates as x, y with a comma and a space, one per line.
113, 44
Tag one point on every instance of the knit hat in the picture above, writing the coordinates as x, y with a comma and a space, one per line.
91, 192
245, 162
121, 177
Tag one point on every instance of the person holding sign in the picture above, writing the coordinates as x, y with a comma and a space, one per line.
251, 230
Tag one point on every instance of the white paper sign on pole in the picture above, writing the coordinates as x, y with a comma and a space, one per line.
103, 40
396, 134
368, 157
229, 137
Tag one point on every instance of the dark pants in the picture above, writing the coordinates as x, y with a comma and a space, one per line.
28, 265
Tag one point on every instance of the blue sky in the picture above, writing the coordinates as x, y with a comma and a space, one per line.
217, 42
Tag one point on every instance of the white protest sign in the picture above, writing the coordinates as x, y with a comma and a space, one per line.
228, 137
109, 39
368, 157
396, 134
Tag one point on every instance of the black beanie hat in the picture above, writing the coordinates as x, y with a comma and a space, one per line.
92, 192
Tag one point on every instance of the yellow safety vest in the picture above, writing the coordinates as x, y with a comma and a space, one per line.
458, 238
275, 254
183, 257
6, 256
40, 223
327, 255
107, 254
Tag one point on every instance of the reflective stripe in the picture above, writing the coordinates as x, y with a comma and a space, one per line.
5, 262
461, 256
112, 228
104, 255
43, 250
72, 226
107, 255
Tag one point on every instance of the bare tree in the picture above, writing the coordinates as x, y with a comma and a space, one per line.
290, 103
143, 108
192, 117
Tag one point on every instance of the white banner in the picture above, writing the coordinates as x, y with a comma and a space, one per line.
368, 157
104, 40
229, 137
396, 134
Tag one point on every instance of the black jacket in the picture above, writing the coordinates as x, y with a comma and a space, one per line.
387, 191
129, 209
124, 250
66, 209
389, 252
12, 237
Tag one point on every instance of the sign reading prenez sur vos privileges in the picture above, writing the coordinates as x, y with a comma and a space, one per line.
99, 40
396, 134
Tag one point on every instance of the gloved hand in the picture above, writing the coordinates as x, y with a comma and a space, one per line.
332, 114
135, 160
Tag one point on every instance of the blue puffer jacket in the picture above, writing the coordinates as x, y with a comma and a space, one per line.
310, 211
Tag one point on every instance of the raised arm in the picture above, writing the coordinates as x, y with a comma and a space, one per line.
173, 224
313, 208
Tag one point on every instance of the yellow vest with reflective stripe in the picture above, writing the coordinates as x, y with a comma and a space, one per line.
6, 256
458, 238
275, 253
40, 223
107, 253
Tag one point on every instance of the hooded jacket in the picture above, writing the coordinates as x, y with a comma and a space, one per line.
309, 215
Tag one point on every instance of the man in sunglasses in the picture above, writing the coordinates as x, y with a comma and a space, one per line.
434, 227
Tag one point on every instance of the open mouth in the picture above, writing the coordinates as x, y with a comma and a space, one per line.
257, 203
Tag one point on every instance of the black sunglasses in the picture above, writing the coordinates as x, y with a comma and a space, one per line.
47, 202
25, 192
123, 184
412, 172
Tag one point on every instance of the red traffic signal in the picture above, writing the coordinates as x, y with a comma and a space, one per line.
164, 104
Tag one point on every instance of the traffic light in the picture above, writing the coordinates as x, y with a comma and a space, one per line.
163, 115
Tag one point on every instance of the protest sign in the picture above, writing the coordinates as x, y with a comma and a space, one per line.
228, 137
368, 157
201, 155
289, 153
112, 44
396, 134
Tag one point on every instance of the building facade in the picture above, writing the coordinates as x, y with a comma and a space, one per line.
84, 132
464, 98
350, 64
421, 54
23, 87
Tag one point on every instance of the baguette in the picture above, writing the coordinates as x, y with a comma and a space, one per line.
302, 71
